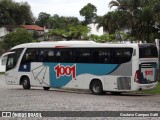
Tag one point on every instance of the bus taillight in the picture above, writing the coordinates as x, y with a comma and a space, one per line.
137, 77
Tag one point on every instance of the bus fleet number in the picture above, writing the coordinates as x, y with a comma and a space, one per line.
65, 70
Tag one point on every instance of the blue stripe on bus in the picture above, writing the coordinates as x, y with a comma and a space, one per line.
94, 69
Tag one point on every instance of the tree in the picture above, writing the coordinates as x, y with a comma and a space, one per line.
142, 17
43, 20
73, 32
13, 13
1, 48
109, 26
103, 38
16, 38
89, 12
55, 21
61, 22
25, 14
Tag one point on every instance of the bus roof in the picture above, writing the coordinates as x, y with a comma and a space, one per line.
72, 44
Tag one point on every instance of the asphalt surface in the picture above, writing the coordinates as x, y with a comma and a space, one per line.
14, 98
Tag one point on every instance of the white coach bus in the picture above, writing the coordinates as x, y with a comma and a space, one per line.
98, 67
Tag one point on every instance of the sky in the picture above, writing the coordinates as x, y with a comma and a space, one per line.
65, 7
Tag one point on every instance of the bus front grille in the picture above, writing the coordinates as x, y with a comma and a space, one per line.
124, 83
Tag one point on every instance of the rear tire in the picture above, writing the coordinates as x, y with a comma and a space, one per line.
96, 87
46, 88
26, 83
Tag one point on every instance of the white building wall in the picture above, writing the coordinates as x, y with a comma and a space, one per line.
2, 67
3, 31
94, 29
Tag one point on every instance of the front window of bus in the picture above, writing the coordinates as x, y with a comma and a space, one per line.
13, 58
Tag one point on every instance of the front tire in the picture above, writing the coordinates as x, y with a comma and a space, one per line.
26, 83
96, 87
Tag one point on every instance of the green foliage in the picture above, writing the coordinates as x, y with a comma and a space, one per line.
103, 38
35, 35
13, 13
61, 22
118, 36
56, 21
141, 16
89, 12
121, 36
43, 19
16, 38
64, 27
113, 21
71, 32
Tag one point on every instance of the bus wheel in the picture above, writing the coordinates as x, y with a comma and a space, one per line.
46, 88
96, 87
26, 83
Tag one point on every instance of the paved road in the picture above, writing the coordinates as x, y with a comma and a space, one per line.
14, 98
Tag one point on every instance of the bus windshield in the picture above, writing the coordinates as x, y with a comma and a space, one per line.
13, 58
148, 51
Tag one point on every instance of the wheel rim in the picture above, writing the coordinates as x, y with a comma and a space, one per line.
25, 82
96, 88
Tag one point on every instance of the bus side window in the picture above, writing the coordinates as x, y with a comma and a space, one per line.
66, 56
122, 55
95, 57
76, 56
104, 56
46, 55
82, 55
57, 55
31, 55
85, 56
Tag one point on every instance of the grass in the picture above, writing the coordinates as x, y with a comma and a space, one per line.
154, 91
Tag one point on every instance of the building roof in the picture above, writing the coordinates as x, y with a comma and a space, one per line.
33, 27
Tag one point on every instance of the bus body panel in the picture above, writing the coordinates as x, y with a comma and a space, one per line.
44, 74
10, 77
